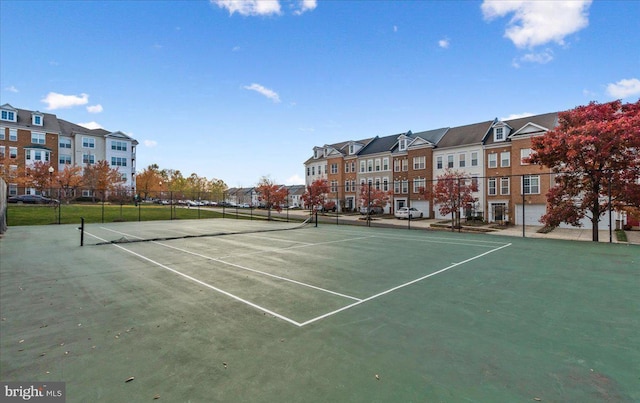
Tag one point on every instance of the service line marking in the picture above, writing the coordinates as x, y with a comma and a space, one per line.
289, 320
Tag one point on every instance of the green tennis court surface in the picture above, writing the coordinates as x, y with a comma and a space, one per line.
333, 313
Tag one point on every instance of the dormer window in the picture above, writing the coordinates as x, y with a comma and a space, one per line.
9, 116
499, 134
352, 149
402, 145
36, 119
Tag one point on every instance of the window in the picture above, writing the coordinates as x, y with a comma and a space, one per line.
504, 186
505, 159
474, 182
402, 145
64, 160
449, 161
378, 165
37, 155
37, 120
119, 145
396, 165
37, 138
405, 165
308, 171
493, 160
524, 154
346, 167
461, 160
499, 133
65, 143
370, 165
13, 152
334, 186
334, 168
313, 170
474, 159
363, 165
118, 161
385, 164
13, 134
405, 186
419, 162
88, 159
347, 188
2, 133
396, 187
439, 162
377, 181
385, 184
8, 115
88, 142
2, 151
351, 149
418, 185
492, 187
531, 184
353, 166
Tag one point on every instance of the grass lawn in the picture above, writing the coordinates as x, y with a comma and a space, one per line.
96, 213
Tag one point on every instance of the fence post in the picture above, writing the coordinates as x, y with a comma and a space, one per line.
81, 231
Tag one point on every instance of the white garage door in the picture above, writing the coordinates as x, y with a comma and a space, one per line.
532, 214
421, 205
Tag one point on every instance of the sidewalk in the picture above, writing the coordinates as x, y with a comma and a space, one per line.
574, 234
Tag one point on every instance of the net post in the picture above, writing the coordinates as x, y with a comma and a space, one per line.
316, 214
81, 231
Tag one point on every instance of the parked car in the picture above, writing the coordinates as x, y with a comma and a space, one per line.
408, 212
32, 199
374, 210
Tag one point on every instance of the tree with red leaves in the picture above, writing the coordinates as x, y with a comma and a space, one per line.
271, 196
67, 181
594, 151
370, 196
452, 191
316, 194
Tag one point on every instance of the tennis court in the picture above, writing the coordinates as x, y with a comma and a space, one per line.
266, 311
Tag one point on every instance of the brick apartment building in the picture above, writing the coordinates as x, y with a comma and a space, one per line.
27, 137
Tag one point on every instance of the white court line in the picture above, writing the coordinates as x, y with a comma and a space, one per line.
219, 260
344, 308
228, 294
326, 315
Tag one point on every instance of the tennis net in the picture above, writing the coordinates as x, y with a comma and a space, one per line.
156, 231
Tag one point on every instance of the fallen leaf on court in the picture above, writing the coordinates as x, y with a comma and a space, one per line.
156, 397
129, 379
537, 399
377, 377
43, 354
21, 341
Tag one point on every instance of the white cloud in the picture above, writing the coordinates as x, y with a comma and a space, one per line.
150, 143
444, 43
395, 28
249, 7
294, 180
236, 49
624, 88
11, 88
306, 5
264, 91
91, 125
516, 116
543, 57
94, 108
538, 22
60, 101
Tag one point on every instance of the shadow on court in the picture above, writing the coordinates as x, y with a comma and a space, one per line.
319, 314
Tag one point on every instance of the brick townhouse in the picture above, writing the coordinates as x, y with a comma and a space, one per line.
491, 153
30, 136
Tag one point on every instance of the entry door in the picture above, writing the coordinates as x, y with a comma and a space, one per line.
499, 212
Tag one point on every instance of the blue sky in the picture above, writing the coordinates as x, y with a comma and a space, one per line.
237, 90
